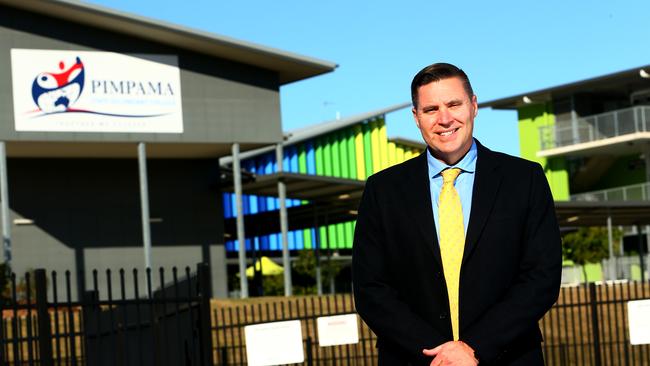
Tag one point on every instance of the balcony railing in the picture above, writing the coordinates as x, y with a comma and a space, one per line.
596, 127
635, 192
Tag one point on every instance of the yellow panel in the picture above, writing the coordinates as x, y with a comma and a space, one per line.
399, 153
383, 145
374, 143
392, 156
358, 144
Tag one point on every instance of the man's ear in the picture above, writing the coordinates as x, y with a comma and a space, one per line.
475, 105
415, 117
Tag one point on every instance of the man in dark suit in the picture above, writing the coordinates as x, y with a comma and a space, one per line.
457, 252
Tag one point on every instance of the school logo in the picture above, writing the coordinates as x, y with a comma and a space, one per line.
57, 91
89, 91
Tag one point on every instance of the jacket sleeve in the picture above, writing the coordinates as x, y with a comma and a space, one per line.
377, 301
536, 286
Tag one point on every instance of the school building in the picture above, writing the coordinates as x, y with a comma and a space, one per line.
111, 127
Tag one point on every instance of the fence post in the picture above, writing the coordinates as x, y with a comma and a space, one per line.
205, 320
595, 328
44, 326
224, 356
310, 357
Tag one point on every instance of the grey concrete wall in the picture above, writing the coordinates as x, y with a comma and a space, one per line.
86, 215
223, 101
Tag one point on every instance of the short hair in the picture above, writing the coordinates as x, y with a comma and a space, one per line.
436, 72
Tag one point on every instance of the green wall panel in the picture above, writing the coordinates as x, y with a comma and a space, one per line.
531, 118
352, 154
343, 155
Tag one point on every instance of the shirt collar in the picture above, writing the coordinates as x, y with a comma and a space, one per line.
466, 164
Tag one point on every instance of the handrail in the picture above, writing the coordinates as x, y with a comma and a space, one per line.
596, 127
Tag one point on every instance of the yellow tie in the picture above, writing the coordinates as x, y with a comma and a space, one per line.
452, 240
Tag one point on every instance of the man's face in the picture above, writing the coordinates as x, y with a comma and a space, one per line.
445, 116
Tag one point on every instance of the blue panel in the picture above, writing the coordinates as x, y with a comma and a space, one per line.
300, 243
225, 202
245, 204
252, 201
256, 240
314, 243
291, 240
273, 239
248, 244
233, 204
265, 242
311, 158
294, 168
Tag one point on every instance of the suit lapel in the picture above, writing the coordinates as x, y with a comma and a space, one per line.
486, 183
419, 205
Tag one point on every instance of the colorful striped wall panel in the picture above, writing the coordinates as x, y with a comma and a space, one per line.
355, 152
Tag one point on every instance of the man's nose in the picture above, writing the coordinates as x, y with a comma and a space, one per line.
445, 116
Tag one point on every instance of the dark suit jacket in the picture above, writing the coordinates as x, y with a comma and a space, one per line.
510, 274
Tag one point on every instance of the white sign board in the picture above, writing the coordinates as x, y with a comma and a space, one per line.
274, 343
337, 330
83, 91
638, 315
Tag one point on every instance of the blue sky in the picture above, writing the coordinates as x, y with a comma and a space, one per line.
506, 48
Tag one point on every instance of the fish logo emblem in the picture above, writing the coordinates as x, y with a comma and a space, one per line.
56, 92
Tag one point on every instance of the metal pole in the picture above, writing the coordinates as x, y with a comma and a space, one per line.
4, 197
640, 247
284, 224
144, 204
647, 227
574, 121
319, 272
236, 169
612, 259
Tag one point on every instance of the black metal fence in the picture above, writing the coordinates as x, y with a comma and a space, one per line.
589, 326
176, 323
164, 325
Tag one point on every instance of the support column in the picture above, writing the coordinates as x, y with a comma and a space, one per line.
317, 241
640, 248
144, 204
646, 155
574, 122
284, 225
612, 270
4, 210
236, 169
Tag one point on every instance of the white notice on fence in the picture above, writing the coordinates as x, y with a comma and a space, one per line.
337, 330
638, 315
274, 343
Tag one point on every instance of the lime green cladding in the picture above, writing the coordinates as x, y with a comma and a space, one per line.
531, 118
355, 152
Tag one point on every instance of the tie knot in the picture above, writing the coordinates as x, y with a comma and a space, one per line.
450, 175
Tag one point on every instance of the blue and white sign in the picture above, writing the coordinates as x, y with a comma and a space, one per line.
85, 91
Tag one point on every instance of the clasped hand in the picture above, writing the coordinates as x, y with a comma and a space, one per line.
456, 353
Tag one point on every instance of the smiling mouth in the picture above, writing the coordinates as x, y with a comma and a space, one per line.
448, 133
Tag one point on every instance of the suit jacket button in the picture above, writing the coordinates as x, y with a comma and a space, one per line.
443, 316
